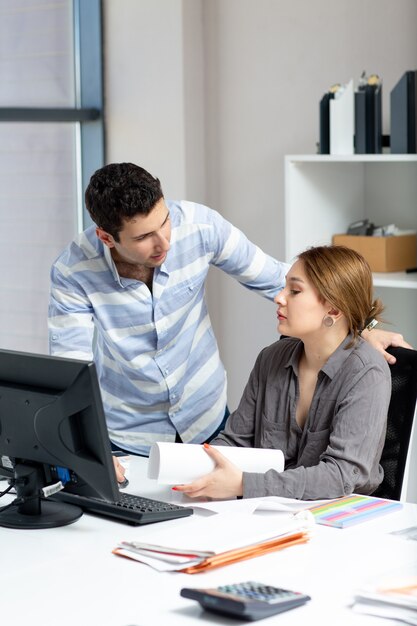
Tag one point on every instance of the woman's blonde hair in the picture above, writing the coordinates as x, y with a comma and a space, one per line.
343, 277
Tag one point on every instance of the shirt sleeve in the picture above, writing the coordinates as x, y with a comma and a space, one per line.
233, 253
70, 319
240, 426
351, 458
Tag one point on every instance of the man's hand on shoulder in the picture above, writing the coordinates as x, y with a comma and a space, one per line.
382, 339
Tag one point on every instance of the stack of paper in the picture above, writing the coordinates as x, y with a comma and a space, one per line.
395, 600
216, 541
177, 463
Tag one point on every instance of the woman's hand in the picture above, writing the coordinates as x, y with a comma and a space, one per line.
225, 481
382, 339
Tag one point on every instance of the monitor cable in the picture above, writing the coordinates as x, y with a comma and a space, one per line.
45, 493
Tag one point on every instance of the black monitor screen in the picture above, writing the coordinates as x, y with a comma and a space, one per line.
52, 433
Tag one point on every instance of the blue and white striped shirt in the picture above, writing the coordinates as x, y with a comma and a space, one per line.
156, 355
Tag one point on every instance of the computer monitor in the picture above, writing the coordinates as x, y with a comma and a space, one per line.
52, 430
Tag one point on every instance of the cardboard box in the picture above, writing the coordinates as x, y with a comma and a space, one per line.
384, 254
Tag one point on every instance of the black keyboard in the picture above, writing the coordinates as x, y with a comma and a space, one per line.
131, 509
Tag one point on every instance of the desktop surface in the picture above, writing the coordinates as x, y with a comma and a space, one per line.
69, 575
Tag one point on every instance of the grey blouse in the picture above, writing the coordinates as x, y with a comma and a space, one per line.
338, 450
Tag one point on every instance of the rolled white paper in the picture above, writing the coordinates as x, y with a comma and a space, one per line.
177, 463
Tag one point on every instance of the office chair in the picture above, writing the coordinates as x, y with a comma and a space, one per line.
400, 421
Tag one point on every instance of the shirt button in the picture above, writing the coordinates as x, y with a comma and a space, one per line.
173, 396
166, 371
54, 337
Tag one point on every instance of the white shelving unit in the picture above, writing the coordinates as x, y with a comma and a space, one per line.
325, 193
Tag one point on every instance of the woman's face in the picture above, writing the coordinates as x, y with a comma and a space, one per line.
300, 310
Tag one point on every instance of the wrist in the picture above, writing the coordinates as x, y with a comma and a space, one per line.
239, 492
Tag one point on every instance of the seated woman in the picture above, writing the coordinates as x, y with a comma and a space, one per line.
320, 394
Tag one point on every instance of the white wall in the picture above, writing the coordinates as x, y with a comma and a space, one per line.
210, 95
154, 95
144, 107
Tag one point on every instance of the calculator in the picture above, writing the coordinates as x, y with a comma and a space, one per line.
249, 600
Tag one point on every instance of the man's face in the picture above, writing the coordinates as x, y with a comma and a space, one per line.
143, 240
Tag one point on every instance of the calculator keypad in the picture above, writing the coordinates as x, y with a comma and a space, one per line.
257, 591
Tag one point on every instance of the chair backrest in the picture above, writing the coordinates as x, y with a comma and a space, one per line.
400, 422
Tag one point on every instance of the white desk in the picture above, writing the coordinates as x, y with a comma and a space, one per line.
67, 576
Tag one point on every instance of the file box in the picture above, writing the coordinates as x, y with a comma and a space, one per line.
384, 254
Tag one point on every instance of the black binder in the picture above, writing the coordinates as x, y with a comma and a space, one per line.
368, 119
404, 114
325, 123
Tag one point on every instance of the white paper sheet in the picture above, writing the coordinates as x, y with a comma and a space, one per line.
276, 504
177, 463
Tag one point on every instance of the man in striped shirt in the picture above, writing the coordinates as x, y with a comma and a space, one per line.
129, 293
136, 282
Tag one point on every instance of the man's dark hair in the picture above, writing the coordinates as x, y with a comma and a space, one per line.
118, 192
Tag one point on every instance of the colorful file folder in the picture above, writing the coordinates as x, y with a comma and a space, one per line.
351, 510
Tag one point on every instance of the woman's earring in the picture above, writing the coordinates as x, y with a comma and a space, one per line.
328, 321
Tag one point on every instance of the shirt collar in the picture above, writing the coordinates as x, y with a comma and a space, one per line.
113, 268
333, 364
336, 360
112, 265
294, 357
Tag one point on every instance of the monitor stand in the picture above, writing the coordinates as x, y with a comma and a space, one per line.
35, 512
